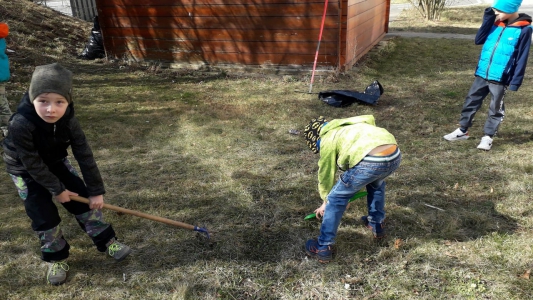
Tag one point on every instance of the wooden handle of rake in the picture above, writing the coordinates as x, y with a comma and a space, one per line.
141, 215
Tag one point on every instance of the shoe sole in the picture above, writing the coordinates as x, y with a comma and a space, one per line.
57, 283
320, 260
456, 139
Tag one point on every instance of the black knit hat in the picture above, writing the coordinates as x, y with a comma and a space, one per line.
312, 133
51, 78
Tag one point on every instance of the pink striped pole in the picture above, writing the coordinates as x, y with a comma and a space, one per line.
318, 46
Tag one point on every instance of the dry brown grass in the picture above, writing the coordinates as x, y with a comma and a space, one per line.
459, 20
215, 150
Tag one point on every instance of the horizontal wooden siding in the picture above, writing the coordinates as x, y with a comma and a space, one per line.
366, 25
212, 32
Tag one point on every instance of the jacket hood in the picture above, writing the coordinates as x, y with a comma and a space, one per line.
522, 20
336, 123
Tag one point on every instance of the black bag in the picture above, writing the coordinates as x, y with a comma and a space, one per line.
95, 48
343, 98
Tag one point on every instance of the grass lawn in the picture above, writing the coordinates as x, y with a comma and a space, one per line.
214, 150
460, 20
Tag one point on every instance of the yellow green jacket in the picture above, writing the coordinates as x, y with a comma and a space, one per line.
343, 144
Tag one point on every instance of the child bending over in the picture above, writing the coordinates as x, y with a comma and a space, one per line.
366, 154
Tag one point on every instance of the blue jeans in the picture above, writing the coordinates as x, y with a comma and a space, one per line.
367, 174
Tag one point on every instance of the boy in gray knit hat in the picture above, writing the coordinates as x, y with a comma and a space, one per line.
35, 153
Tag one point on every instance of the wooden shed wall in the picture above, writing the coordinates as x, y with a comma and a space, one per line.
367, 25
253, 32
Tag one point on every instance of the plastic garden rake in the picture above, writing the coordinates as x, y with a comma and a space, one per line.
357, 195
147, 216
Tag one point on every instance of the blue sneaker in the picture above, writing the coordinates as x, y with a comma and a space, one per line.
377, 228
324, 254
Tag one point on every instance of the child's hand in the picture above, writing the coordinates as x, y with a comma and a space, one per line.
320, 211
96, 202
64, 196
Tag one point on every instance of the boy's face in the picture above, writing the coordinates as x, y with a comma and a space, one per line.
50, 106
502, 16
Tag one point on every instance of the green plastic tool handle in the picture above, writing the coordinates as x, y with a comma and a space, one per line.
357, 195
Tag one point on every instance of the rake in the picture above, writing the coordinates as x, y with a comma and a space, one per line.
147, 216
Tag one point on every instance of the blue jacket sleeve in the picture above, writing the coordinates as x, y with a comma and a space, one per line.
489, 17
521, 58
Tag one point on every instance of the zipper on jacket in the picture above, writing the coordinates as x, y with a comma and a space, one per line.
493, 51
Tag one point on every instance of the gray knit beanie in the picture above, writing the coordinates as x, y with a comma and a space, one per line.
51, 78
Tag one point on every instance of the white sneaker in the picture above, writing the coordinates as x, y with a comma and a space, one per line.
485, 144
457, 135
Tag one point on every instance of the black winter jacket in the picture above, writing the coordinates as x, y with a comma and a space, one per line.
33, 145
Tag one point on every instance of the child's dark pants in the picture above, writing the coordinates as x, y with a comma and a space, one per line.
43, 212
479, 90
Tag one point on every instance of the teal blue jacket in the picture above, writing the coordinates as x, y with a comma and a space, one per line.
4, 62
505, 51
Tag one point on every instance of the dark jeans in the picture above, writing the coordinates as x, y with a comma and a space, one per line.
479, 90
